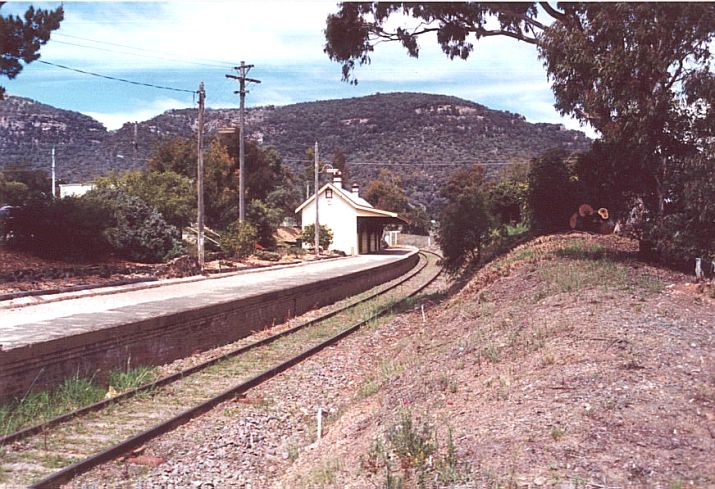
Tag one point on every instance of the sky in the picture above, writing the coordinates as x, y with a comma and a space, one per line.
179, 44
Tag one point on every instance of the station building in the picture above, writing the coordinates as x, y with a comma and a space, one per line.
357, 226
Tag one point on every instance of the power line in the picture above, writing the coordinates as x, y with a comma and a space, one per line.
140, 55
151, 85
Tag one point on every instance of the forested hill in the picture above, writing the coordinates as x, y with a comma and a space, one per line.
413, 130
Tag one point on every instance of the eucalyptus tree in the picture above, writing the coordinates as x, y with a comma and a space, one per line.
22, 37
639, 73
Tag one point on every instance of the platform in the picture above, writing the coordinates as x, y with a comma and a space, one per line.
90, 334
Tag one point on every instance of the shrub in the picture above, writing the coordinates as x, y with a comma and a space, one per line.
551, 193
267, 255
686, 229
265, 219
308, 236
136, 231
240, 239
69, 228
465, 222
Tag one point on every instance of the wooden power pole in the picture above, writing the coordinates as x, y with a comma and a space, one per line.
242, 79
200, 179
317, 220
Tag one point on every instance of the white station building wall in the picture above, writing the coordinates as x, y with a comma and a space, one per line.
340, 217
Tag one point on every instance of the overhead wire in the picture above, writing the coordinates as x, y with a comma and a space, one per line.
218, 62
151, 85
143, 55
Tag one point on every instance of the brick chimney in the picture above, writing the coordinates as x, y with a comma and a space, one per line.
356, 190
338, 180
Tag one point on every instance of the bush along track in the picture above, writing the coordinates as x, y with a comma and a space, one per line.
78, 441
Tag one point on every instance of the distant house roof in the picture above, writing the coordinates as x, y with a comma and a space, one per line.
358, 203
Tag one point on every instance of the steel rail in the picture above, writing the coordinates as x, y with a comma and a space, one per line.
68, 473
63, 418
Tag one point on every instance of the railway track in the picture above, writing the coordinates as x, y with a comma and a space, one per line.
52, 453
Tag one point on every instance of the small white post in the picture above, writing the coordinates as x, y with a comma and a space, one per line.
320, 422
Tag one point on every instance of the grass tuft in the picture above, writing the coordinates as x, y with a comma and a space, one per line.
74, 393
131, 379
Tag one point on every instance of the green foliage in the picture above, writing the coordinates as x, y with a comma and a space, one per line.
687, 229
36, 407
325, 238
377, 128
20, 185
386, 193
652, 99
239, 239
419, 221
508, 200
135, 230
125, 380
21, 38
69, 228
411, 443
267, 180
465, 222
639, 73
172, 194
13, 193
176, 155
265, 219
340, 162
551, 192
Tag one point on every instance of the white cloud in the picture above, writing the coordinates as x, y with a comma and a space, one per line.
207, 32
115, 120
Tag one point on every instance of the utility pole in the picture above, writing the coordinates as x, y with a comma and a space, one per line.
136, 143
242, 79
200, 179
317, 220
53, 171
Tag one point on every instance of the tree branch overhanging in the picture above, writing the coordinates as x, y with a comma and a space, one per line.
560, 16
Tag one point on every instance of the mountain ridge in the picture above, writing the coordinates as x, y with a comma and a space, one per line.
421, 137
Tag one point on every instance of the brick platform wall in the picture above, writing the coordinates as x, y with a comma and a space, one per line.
166, 338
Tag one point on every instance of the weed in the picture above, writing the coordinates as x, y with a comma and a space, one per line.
416, 447
504, 390
389, 369
57, 461
582, 251
491, 353
548, 359
293, 452
651, 284
39, 406
412, 444
557, 433
125, 380
325, 474
517, 229
676, 484
367, 389
449, 469
560, 277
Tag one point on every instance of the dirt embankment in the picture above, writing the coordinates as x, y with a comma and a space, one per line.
564, 364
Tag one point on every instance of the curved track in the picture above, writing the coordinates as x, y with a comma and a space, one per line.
83, 439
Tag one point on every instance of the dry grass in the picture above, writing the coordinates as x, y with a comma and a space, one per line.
564, 364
